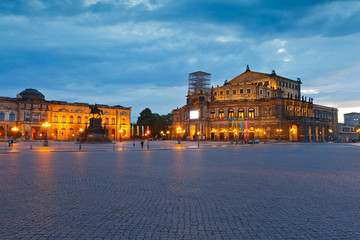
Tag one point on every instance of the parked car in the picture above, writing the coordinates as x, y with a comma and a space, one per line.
255, 141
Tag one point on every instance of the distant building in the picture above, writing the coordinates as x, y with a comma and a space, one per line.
346, 132
252, 105
352, 119
29, 110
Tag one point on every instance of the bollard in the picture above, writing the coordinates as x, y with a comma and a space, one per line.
79, 146
30, 146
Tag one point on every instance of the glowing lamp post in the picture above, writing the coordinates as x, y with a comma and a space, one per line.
46, 126
121, 133
178, 131
14, 130
148, 134
279, 131
198, 136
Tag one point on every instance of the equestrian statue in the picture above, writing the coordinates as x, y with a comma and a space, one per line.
96, 110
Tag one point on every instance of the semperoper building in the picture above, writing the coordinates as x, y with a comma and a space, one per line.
253, 105
29, 110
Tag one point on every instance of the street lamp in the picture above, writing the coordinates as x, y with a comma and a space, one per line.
279, 131
236, 140
178, 131
198, 136
46, 126
121, 132
148, 134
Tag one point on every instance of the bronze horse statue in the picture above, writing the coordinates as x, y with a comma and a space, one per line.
96, 110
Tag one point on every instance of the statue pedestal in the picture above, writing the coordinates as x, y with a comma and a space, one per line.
95, 133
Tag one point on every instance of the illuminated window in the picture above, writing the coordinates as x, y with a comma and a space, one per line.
2, 116
221, 114
241, 113
107, 121
12, 117
79, 119
63, 119
71, 119
251, 113
86, 119
43, 117
55, 118
231, 113
113, 121
212, 114
36, 117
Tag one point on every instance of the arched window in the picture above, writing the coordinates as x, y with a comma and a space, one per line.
86, 119
36, 117
107, 121
251, 113
43, 117
112, 132
79, 119
212, 114
71, 119
113, 121
221, 114
12, 117
2, 116
55, 119
231, 113
63, 119
241, 114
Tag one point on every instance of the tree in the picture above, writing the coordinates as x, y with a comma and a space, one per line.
156, 122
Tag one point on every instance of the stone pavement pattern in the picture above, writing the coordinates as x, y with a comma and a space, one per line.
294, 191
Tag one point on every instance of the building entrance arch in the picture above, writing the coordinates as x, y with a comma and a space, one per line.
293, 133
192, 132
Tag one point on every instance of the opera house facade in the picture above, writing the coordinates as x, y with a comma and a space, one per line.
66, 121
253, 105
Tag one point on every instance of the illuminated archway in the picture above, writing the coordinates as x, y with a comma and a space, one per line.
293, 133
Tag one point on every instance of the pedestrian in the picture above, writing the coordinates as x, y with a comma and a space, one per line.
9, 142
142, 144
133, 144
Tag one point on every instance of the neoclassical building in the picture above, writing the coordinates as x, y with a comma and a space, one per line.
29, 110
252, 105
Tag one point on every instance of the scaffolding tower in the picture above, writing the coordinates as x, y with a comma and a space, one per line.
199, 82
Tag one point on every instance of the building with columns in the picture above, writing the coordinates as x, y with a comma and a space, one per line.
253, 105
29, 110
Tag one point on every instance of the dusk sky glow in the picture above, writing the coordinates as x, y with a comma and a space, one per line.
139, 53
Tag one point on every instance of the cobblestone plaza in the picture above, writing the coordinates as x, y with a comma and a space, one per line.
265, 191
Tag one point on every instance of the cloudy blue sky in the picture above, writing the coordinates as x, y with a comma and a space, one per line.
139, 52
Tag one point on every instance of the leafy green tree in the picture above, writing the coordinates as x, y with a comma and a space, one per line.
156, 122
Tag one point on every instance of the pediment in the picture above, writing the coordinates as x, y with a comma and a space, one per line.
247, 77
64, 110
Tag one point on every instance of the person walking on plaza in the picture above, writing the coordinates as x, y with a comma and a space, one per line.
142, 144
9, 142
